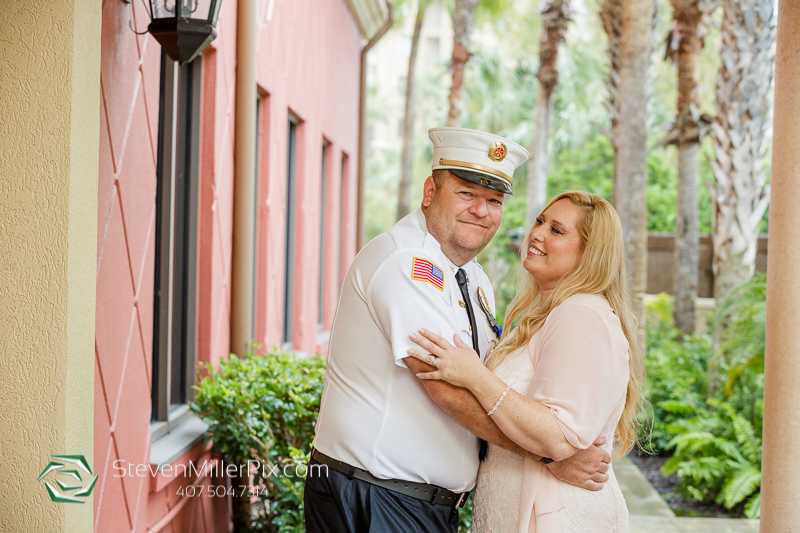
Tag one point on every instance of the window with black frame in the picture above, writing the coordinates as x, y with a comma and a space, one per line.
174, 313
342, 216
261, 108
291, 192
323, 216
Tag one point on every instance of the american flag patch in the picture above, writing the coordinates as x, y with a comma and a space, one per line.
424, 270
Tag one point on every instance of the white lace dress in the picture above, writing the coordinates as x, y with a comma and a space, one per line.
496, 507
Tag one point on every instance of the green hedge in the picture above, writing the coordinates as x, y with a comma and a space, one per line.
264, 409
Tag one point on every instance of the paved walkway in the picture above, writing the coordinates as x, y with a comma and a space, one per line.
650, 513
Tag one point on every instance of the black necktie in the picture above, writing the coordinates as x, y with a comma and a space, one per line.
461, 278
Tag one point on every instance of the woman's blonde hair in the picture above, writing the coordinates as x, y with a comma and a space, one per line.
601, 270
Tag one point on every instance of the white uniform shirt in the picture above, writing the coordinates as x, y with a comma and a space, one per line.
375, 413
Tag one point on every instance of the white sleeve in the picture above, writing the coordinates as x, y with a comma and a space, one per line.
401, 305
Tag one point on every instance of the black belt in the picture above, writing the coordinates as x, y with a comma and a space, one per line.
420, 491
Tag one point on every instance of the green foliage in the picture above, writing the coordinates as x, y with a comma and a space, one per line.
264, 409
382, 175
228, 400
742, 346
500, 96
580, 98
717, 456
714, 436
677, 383
589, 168
662, 190
465, 516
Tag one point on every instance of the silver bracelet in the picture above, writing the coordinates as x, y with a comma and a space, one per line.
502, 397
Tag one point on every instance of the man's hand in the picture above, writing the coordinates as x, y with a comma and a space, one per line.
586, 469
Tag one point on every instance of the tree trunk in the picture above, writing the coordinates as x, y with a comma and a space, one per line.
631, 134
241, 508
740, 192
463, 18
404, 187
555, 16
686, 239
611, 16
537, 166
683, 46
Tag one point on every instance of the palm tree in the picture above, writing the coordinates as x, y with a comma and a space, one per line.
684, 43
631, 142
463, 18
555, 16
611, 16
464, 15
407, 157
740, 192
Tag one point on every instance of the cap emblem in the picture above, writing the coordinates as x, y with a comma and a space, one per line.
497, 151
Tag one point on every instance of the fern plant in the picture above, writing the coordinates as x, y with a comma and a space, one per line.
677, 381
744, 312
717, 457
714, 435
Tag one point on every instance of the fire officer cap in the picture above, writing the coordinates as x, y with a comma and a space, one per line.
479, 157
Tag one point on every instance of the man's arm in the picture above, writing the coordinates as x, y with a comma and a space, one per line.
464, 408
586, 469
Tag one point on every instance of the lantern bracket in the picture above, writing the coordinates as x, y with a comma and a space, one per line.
145, 32
150, 15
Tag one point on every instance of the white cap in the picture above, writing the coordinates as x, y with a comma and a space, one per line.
476, 156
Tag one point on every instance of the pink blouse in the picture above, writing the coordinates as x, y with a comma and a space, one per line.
580, 359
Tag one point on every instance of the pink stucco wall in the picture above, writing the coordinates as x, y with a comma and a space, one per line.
126, 220
308, 64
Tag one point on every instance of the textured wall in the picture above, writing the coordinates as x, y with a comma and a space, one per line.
309, 60
126, 191
49, 94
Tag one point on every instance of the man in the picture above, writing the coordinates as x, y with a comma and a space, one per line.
398, 454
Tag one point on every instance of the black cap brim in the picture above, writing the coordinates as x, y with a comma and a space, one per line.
484, 180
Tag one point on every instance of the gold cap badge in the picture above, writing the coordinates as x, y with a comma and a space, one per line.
497, 151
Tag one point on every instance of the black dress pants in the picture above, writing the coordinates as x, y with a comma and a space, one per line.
334, 503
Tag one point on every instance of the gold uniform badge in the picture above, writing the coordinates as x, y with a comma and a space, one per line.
497, 151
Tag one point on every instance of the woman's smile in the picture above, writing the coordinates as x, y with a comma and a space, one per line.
533, 250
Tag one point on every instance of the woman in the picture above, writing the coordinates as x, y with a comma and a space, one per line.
568, 372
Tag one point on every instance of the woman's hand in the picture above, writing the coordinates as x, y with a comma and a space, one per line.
459, 365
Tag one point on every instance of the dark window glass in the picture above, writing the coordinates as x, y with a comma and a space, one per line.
342, 216
288, 290
322, 240
176, 243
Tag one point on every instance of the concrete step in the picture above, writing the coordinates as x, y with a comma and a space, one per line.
661, 524
649, 513
641, 497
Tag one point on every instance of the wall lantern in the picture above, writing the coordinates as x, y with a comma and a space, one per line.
183, 27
